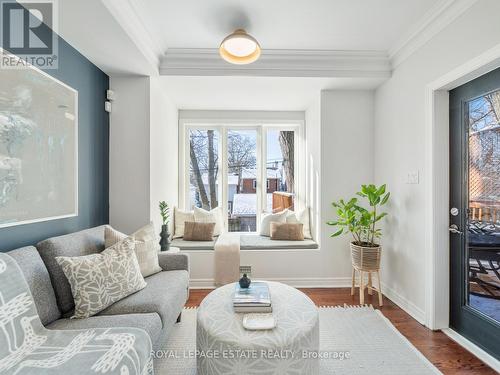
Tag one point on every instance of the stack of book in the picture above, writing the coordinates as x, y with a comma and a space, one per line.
255, 299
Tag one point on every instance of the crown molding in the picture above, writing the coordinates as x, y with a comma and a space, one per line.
285, 63
435, 20
279, 63
125, 13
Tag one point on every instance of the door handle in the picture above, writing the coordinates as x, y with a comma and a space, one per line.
454, 229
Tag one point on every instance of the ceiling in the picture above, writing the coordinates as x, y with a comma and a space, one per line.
104, 43
140, 36
282, 24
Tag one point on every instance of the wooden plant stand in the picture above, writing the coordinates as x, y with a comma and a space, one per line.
366, 260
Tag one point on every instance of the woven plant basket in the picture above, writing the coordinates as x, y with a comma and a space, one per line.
365, 258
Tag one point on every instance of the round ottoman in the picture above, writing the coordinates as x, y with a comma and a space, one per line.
225, 347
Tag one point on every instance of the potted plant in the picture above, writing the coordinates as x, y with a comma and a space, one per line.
361, 223
164, 235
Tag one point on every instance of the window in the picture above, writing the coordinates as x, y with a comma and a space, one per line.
280, 169
242, 179
203, 168
247, 169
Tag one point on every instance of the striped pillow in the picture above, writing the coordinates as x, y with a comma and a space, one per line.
112, 236
146, 247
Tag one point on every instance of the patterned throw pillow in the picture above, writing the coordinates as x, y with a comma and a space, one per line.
99, 280
146, 246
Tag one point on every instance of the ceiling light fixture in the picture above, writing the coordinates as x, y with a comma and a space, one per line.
239, 48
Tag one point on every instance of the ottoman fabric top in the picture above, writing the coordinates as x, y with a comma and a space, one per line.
296, 316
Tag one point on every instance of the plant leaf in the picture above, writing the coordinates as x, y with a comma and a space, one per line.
381, 190
385, 198
337, 233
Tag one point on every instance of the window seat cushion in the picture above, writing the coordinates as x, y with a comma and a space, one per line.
249, 242
192, 245
257, 242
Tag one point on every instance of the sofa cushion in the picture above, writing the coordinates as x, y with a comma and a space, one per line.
27, 347
89, 241
38, 280
165, 294
151, 323
173, 261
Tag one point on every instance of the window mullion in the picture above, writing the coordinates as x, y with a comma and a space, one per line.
223, 167
261, 190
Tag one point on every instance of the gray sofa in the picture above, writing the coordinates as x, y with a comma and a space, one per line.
155, 309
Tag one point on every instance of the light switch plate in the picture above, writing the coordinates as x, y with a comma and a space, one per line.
110, 95
412, 177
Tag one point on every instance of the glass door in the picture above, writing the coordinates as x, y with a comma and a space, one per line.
475, 211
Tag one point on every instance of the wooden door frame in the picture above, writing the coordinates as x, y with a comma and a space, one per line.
437, 260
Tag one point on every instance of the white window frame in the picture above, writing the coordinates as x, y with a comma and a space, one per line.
222, 121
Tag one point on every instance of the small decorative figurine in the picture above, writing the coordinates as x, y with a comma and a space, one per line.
245, 281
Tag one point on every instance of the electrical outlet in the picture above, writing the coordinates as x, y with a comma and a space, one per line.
412, 177
247, 270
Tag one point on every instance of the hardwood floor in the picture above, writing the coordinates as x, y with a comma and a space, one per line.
444, 353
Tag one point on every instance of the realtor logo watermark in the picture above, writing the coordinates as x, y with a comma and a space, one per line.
29, 34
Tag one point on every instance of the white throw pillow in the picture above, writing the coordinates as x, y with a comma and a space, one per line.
99, 280
180, 217
112, 236
146, 247
265, 224
213, 216
302, 218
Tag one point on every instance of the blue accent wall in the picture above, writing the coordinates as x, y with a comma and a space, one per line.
93, 153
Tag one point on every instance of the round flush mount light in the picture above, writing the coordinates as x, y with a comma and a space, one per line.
239, 48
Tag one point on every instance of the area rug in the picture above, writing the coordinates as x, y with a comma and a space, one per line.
355, 340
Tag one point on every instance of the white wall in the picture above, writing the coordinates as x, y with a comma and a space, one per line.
143, 152
312, 133
339, 153
164, 150
346, 163
129, 147
400, 109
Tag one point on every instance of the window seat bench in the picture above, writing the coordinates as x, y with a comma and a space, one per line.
248, 242
193, 245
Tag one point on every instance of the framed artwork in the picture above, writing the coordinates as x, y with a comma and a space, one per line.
38, 147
